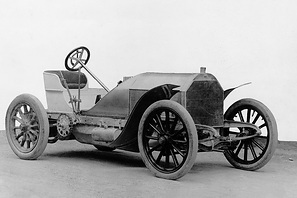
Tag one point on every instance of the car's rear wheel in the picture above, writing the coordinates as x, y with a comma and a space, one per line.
167, 139
252, 153
27, 127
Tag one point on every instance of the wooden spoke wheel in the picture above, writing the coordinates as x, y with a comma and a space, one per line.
253, 153
27, 127
167, 139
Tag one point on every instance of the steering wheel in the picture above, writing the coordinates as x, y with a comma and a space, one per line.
77, 58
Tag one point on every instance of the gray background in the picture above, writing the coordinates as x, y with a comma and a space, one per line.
238, 41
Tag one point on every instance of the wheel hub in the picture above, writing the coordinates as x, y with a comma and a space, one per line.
163, 139
24, 128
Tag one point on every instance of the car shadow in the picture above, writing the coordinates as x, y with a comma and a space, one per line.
129, 159
115, 157
210, 166
205, 162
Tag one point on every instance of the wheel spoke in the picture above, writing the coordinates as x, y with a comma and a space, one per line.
245, 151
178, 132
159, 122
253, 113
18, 119
28, 142
257, 144
167, 121
26, 109
155, 129
178, 150
16, 127
263, 125
31, 137
34, 132
174, 158
167, 157
240, 116
23, 140
21, 114
180, 141
19, 135
33, 117
248, 115
174, 124
256, 118
253, 150
34, 125
239, 148
160, 156
154, 148
151, 137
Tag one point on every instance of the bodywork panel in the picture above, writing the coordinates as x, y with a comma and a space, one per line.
116, 103
128, 138
228, 91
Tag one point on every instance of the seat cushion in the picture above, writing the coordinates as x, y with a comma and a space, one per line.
71, 78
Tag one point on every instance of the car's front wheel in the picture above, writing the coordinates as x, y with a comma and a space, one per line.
167, 139
27, 127
252, 153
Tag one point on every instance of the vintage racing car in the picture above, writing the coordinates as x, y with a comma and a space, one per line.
167, 117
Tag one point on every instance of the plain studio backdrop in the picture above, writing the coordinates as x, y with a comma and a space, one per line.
238, 41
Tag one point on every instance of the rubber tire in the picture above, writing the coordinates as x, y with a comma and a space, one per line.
193, 139
273, 134
41, 114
